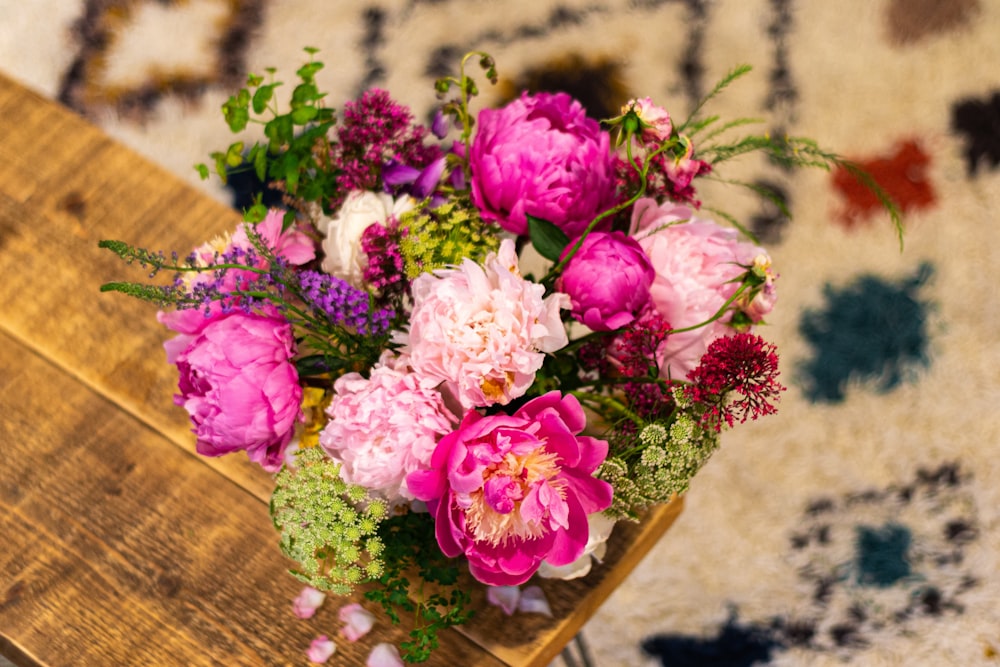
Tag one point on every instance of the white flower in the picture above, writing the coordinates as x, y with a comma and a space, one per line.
342, 245
600, 530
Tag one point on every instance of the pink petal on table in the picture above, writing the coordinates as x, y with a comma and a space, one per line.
320, 650
533, 601
384, 655
308, 601
505, 597
358, 621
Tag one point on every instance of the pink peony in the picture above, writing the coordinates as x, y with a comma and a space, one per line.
541, 155
239, 385
384, 427
509, 492
607, 280
483, 330
290, 244
696, 262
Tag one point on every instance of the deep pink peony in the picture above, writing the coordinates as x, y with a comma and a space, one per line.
541, 155
695, 261
508, 492
607, 280
291, 244
239, 386
384, 427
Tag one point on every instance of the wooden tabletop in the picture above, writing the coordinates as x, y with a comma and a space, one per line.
119, 545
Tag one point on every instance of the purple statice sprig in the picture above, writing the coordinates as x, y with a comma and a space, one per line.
343, 305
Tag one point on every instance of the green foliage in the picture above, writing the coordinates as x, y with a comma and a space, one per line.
444, 236
548, 239
436, 601
296, 152
329, 527
649, 466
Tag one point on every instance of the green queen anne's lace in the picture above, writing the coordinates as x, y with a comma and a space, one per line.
327, 525
438, 237
661, 462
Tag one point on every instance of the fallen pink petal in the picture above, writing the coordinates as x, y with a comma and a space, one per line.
358, 621
320, 650
384, 655
505, 597
533, 601
307, 602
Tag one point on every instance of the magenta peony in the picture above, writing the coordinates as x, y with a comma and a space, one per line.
541, 155
696, 262
607, 280
482, 330
239, 385
384, 427
511, 491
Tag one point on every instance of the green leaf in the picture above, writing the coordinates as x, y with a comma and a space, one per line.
303, 115
262, 97
308, 71
234, 156
202, 170
547, 239
258, 156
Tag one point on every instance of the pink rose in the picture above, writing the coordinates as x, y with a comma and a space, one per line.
239, 385
384, 427
607, 280
654, 120
541, 155
290, 244
511, 491
695, 261
483, 330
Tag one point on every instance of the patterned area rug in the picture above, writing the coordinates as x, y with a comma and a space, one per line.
857, 526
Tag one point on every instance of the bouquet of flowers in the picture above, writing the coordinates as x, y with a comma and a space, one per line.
475, 344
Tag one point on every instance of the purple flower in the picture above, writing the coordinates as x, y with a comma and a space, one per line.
239, 385
542, 156
607, 280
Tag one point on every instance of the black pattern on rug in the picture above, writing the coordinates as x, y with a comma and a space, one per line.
872, 561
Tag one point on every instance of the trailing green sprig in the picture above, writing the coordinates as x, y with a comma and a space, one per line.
436, 601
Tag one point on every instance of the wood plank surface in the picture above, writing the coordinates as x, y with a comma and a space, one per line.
65, 186
120, 549
532, 640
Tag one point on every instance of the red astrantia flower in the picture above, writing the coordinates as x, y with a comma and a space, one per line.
736, 379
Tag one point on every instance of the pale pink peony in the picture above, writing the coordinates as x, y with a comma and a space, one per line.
695, 261
239, 385
511, 491
320, 650
483, 330
541, 155
384, 427
307, 602
607, 280
357, 621
294, 246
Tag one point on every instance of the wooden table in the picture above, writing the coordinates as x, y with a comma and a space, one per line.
119, 545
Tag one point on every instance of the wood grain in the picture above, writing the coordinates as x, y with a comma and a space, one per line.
532, 640
119, 549
65, 186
